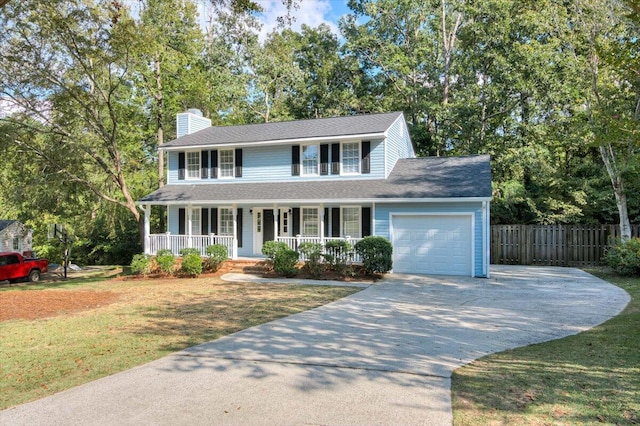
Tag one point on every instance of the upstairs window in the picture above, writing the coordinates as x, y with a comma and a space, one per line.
310, 160
193, 165
226, 163
351, 158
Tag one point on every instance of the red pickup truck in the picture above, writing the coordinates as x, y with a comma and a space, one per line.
13, 267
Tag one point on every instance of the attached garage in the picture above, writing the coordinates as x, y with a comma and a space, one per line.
437, 244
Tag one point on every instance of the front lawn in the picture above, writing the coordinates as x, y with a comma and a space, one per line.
589, 378
68, 333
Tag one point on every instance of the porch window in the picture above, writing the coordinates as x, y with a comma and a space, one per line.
351, 158
226, 163
196, 228
351, 221
310, 160
310, 223
226, 221
193, 165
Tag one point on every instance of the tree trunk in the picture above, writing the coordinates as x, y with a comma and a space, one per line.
609, 159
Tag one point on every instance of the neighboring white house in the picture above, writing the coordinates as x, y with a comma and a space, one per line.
14, 236
317, 180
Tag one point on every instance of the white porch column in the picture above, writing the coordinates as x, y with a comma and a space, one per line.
147, 229
234, 250
373, 218
188, 213
322, 219
276, 214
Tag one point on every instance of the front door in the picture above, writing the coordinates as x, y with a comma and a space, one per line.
268, 233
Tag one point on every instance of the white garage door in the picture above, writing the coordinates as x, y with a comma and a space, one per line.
439, 244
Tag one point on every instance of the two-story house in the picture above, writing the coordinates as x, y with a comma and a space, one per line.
314, 180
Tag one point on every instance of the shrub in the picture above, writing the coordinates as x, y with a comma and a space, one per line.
189, 250
624, 257
270, 248
284, 262
217, 254
166, 261
375, 253
140, 264
191, 265
313, 254
338, 254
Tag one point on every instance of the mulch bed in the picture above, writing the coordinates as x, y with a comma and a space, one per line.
46, 303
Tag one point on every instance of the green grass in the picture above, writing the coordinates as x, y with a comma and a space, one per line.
589, 378
151, 319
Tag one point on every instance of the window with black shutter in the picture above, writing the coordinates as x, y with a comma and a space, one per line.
335, 158
324, 159
366, 157
335, 222
182, 221
214, 221
295, 213
204, 222
239, 227
366, 221
204, 164
239, 162
214, 164
295, 160
181, 166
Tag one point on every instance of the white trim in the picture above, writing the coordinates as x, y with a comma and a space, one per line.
342, 232
317, 172
186, 165
233, 164
332, 201
359, 158
311, 140
467, 214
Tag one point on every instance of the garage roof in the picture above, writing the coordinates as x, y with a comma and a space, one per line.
412, 178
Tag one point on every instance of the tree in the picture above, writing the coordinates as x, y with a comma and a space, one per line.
65, 66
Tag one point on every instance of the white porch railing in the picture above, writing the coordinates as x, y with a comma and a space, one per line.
175, 243
294, 244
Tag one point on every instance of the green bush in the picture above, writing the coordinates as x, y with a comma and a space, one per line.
624, 257
338, 254
375, 253
166, 261
270, 248
217, 254
140, 264
189, 250
191, 265
284, 262
313, 254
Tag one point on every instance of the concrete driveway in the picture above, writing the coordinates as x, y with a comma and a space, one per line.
381, 356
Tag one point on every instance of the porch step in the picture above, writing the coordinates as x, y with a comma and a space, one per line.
245, 266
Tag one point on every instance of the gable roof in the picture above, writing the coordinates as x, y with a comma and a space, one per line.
412, 178
4, 223
335, 127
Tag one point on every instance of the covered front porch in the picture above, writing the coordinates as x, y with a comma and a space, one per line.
244, 229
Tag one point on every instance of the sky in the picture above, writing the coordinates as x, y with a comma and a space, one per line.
310, 12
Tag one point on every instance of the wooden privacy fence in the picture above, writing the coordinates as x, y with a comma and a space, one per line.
557, 245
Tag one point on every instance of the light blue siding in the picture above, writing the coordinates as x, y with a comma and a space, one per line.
273, 164
383, 212
172, 219
172, 168
398, 144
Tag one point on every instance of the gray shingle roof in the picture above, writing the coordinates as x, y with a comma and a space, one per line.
288, 130
5, 223
412, 178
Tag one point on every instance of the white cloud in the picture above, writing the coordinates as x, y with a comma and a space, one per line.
310, 12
